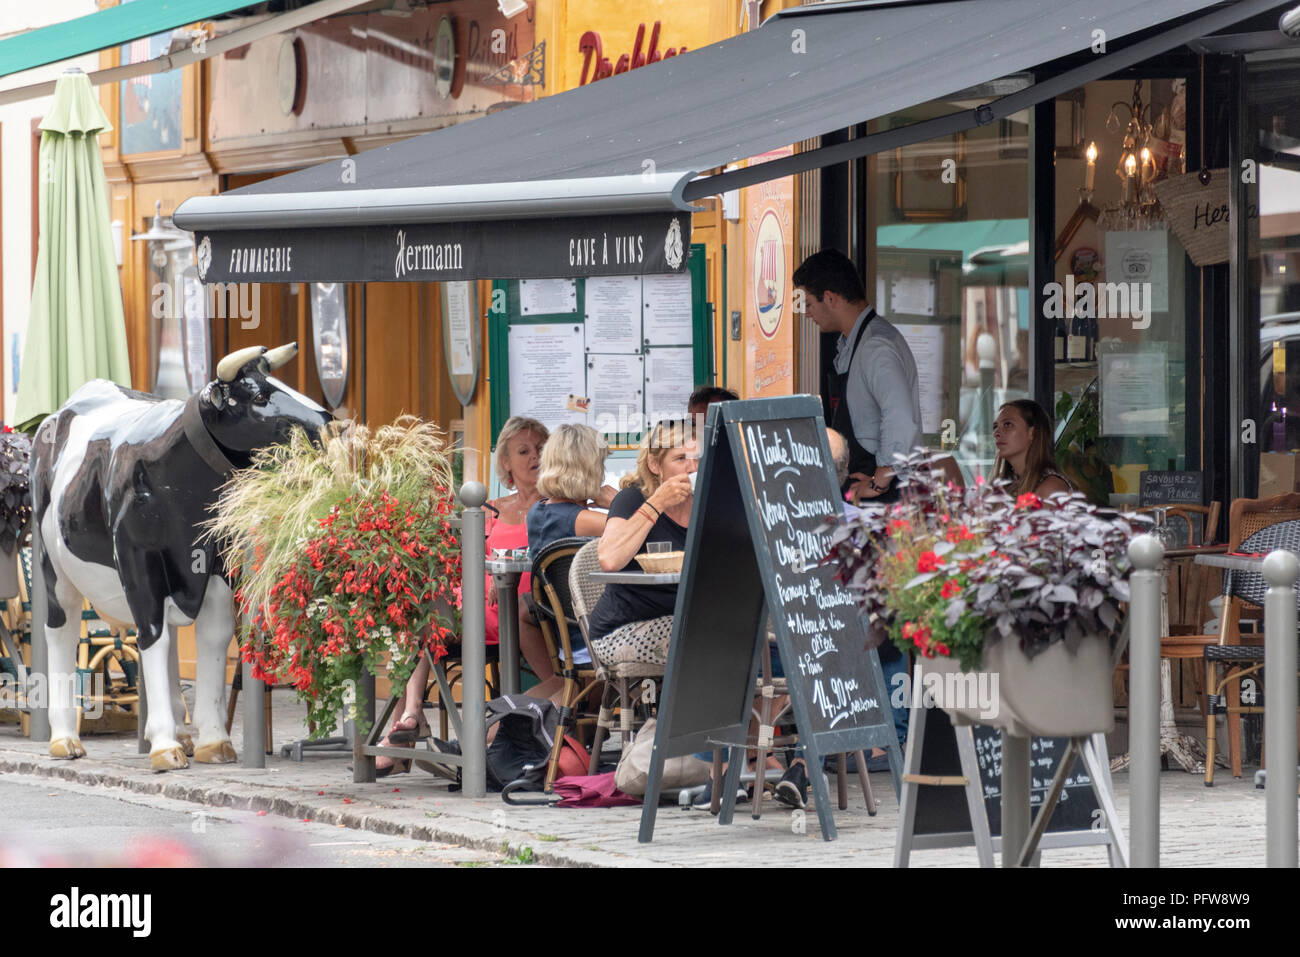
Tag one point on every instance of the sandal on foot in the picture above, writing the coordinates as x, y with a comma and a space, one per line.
410, 728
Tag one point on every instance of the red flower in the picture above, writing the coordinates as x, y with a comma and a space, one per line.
928, 562
1029, 500
950, 588
898, 525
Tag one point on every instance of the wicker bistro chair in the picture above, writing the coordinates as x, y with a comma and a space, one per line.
553, 599
625, 681
1239, 660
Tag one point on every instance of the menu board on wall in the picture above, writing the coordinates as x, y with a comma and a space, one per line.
626, 359
613, 313
614, 387
669, 381
547, 372
667, 302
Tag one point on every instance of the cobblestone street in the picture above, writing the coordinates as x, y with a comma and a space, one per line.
1200, 827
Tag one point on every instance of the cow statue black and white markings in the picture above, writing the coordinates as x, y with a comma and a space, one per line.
121, 484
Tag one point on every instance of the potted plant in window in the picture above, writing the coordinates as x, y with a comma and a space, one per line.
975, 580
345, 559
15, 504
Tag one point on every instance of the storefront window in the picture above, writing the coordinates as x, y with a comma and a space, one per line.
1118, 302
950, 268
1274, 273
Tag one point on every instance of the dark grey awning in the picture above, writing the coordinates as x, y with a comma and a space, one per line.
598, 180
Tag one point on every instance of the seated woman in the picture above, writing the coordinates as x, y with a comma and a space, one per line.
518, 460
1022, 433
654, 506
571, 477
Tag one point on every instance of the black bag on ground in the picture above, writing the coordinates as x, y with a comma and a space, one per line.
527, 732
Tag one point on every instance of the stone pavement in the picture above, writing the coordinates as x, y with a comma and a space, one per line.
1200, 827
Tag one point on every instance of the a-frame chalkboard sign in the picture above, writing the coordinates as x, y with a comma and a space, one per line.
765, 487
952, 792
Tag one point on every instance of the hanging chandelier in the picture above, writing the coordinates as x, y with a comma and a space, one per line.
1138, 207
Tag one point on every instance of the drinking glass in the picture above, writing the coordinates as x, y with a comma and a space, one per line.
657, 548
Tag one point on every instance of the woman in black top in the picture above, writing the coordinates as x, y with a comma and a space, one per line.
654, 506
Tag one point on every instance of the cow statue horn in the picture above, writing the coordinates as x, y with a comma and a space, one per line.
280, 355
229, 367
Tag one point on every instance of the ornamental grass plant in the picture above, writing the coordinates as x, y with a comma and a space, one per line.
948, 570
344, 559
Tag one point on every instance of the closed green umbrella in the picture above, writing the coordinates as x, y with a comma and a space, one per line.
76, 331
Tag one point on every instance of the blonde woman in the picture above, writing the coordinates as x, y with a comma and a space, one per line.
518, 460
571, 479
654, 506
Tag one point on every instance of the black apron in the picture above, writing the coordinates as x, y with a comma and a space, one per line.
860, 460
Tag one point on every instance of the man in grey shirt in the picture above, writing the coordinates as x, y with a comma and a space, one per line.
875, 395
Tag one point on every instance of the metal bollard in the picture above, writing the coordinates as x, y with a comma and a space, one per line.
1147, 554
254, 692
473, 642
1281, 568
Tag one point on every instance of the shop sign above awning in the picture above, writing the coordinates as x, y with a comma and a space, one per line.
600, 180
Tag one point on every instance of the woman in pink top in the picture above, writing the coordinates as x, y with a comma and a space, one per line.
519, 454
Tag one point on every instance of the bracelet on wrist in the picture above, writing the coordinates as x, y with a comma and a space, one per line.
648, 505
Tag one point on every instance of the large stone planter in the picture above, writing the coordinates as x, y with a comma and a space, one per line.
1056, 694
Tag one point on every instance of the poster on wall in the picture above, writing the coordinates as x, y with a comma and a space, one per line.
667, 309
1140, 256
613, 314
548, 374
548, 297
927, 345
769, 264
614, 386
669, 382
1134, 392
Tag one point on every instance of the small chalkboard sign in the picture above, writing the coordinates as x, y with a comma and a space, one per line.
758, 532
1076, 809
1172, 488
952, 791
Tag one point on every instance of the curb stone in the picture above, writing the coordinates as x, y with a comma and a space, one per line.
362, 815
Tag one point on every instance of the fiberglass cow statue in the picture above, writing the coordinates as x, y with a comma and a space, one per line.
121, 482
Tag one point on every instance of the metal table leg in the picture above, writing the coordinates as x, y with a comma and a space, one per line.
507, 585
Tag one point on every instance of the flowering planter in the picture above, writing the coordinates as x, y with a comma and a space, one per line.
1057, 693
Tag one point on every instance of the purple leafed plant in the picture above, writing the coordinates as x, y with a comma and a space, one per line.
15, 487
949, 569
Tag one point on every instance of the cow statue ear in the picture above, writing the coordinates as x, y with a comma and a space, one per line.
213, 394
